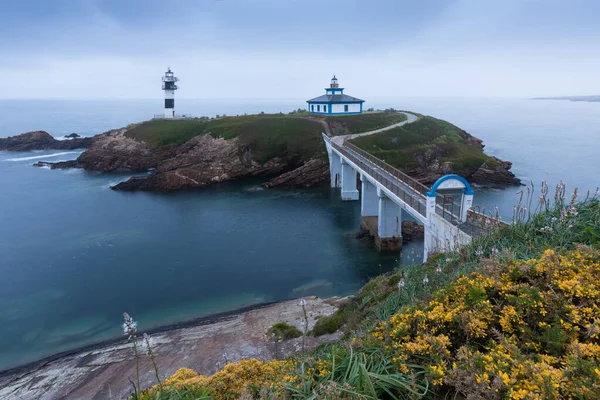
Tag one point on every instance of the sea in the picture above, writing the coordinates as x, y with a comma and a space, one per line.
75, 255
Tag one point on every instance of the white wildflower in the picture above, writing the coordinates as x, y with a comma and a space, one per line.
148, 343
563, 214
129, 326
438, 270
425, 280
401, 284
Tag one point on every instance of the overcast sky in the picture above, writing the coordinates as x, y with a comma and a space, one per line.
291, 48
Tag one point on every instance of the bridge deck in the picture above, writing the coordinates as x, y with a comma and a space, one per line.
411, 191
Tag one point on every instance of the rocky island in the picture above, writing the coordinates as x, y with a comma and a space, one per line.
42, 140
285, 149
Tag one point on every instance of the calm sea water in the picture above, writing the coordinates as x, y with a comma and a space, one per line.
74, 254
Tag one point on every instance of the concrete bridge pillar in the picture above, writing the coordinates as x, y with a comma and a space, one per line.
349, 177
335, 169
389, 224
369, 205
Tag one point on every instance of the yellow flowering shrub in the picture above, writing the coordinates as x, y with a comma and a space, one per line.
520, 331
233, 379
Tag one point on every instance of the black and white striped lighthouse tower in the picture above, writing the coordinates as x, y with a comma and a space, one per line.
169, 87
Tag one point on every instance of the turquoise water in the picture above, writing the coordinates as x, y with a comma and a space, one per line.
75, 255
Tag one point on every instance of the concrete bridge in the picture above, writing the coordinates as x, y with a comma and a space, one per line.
387, 194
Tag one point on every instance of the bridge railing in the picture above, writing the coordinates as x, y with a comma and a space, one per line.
406, 179
483, 221
414, 200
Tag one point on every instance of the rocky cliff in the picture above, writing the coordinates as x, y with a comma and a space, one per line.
200, 161
42, 140
431, 165
205, 159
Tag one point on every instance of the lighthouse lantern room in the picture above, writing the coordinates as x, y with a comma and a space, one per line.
169, 87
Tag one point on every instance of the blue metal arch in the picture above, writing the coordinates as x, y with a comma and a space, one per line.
466, 190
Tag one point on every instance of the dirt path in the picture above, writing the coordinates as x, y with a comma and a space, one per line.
410, 118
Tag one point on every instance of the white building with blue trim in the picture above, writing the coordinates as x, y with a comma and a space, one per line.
334, 101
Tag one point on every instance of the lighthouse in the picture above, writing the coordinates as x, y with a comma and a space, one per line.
169, 87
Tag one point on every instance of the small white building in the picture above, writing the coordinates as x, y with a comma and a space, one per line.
334, 101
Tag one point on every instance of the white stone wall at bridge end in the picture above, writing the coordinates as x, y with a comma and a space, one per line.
440, 236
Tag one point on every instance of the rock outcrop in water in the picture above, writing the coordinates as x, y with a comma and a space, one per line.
493, 171
313, 173
201, 161
42, 140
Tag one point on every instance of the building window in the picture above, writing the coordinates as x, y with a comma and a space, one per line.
312, 107
345, 107
318, 108
324, 108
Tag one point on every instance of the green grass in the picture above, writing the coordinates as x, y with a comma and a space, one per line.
401, 146
358, 123
284, 331
380, 298
268, 136
331, 323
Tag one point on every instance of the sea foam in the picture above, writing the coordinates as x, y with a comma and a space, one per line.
37, 157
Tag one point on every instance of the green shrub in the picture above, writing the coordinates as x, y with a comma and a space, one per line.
284, 331
331, 323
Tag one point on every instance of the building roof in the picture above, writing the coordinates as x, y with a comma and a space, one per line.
338, 98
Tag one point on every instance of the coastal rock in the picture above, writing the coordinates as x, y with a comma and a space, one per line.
491, 173
201, 161
59, 164
314, 173
495, 172
473, 141
114, 152
42, 140
412, 230
72, 136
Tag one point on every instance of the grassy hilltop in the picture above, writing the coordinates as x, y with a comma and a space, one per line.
398, 146
347, 124
425, 149
514, 315
269, 135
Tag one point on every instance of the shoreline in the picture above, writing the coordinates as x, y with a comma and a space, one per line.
204, 344
189, 323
